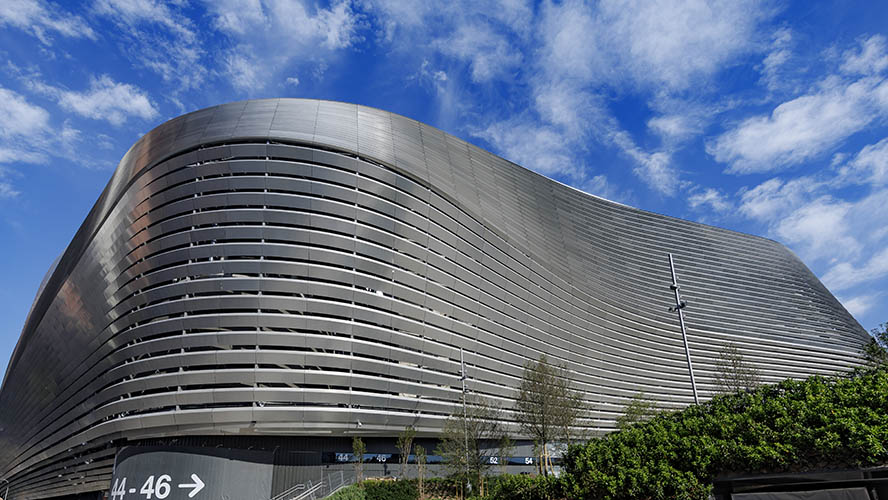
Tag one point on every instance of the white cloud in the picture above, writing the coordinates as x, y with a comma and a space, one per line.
869, 165
13, 154
674, 127
41, 18
812, 124
243, 72
776, 198
645, 45
569, 60
24, 131
19, 117
806, 214
654, 169
488, 53
427, 74
773, 65
105, 100
292, 80
860, 304
409, 24
660, 44
714, 198
261, 28
819, 229
159, 38
541, 148
872, 58
803, 128
7, 190
133, 12
846, 274
27, 136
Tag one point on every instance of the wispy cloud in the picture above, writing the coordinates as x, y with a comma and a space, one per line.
21, 122
259, 29
28, 136
43, 19
18, 117
871, 59
573, 56
774, 64
861, 304
105, 100
488, 53
810, 125
160, 38
709, 197
846, 274
869, 166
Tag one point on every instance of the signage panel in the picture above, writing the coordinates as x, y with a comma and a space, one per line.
178, 473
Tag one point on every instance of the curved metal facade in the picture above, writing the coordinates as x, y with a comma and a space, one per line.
305, 267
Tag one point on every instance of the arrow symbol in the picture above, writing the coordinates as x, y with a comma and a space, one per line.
197, 485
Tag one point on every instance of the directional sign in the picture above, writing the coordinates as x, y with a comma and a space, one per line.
175, 473
196, 486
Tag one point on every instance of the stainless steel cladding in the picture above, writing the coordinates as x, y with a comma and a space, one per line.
304, 267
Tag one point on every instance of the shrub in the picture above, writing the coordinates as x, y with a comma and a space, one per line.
792, 426
353, 492
389, 490
524, 487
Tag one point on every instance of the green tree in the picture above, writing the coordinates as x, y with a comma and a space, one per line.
420, 455
733, 372
462, 443
505, 450
639, 409
875, 353
548, 408
815, 424
405, 443
358, 450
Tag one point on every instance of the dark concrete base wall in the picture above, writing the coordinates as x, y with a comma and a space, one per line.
298, 267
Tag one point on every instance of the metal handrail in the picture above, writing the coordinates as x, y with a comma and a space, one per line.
289, 491
314, 491
310, 491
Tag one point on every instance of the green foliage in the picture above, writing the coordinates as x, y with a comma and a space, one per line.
505, 449
353, 492
547, 406
792, 426
640, 409
389, 490
875, 352
524, 487
404, 489
420, 470
405, 443
462, 442
358, 450
733, 372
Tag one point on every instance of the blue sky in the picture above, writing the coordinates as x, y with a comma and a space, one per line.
765, 117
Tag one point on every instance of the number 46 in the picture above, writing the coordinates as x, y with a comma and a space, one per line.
161, 490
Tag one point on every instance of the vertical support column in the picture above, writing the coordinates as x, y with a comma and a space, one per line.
679, 305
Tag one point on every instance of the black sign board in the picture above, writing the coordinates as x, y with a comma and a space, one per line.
174, 473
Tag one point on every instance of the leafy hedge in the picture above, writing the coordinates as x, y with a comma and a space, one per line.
794, 425
386, 489
818, 423
353, 492
523, 487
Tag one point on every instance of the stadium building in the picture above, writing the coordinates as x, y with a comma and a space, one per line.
261, 281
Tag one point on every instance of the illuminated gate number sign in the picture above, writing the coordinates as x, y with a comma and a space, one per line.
159, 489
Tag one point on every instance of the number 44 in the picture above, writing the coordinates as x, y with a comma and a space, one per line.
160, 489
118, 489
